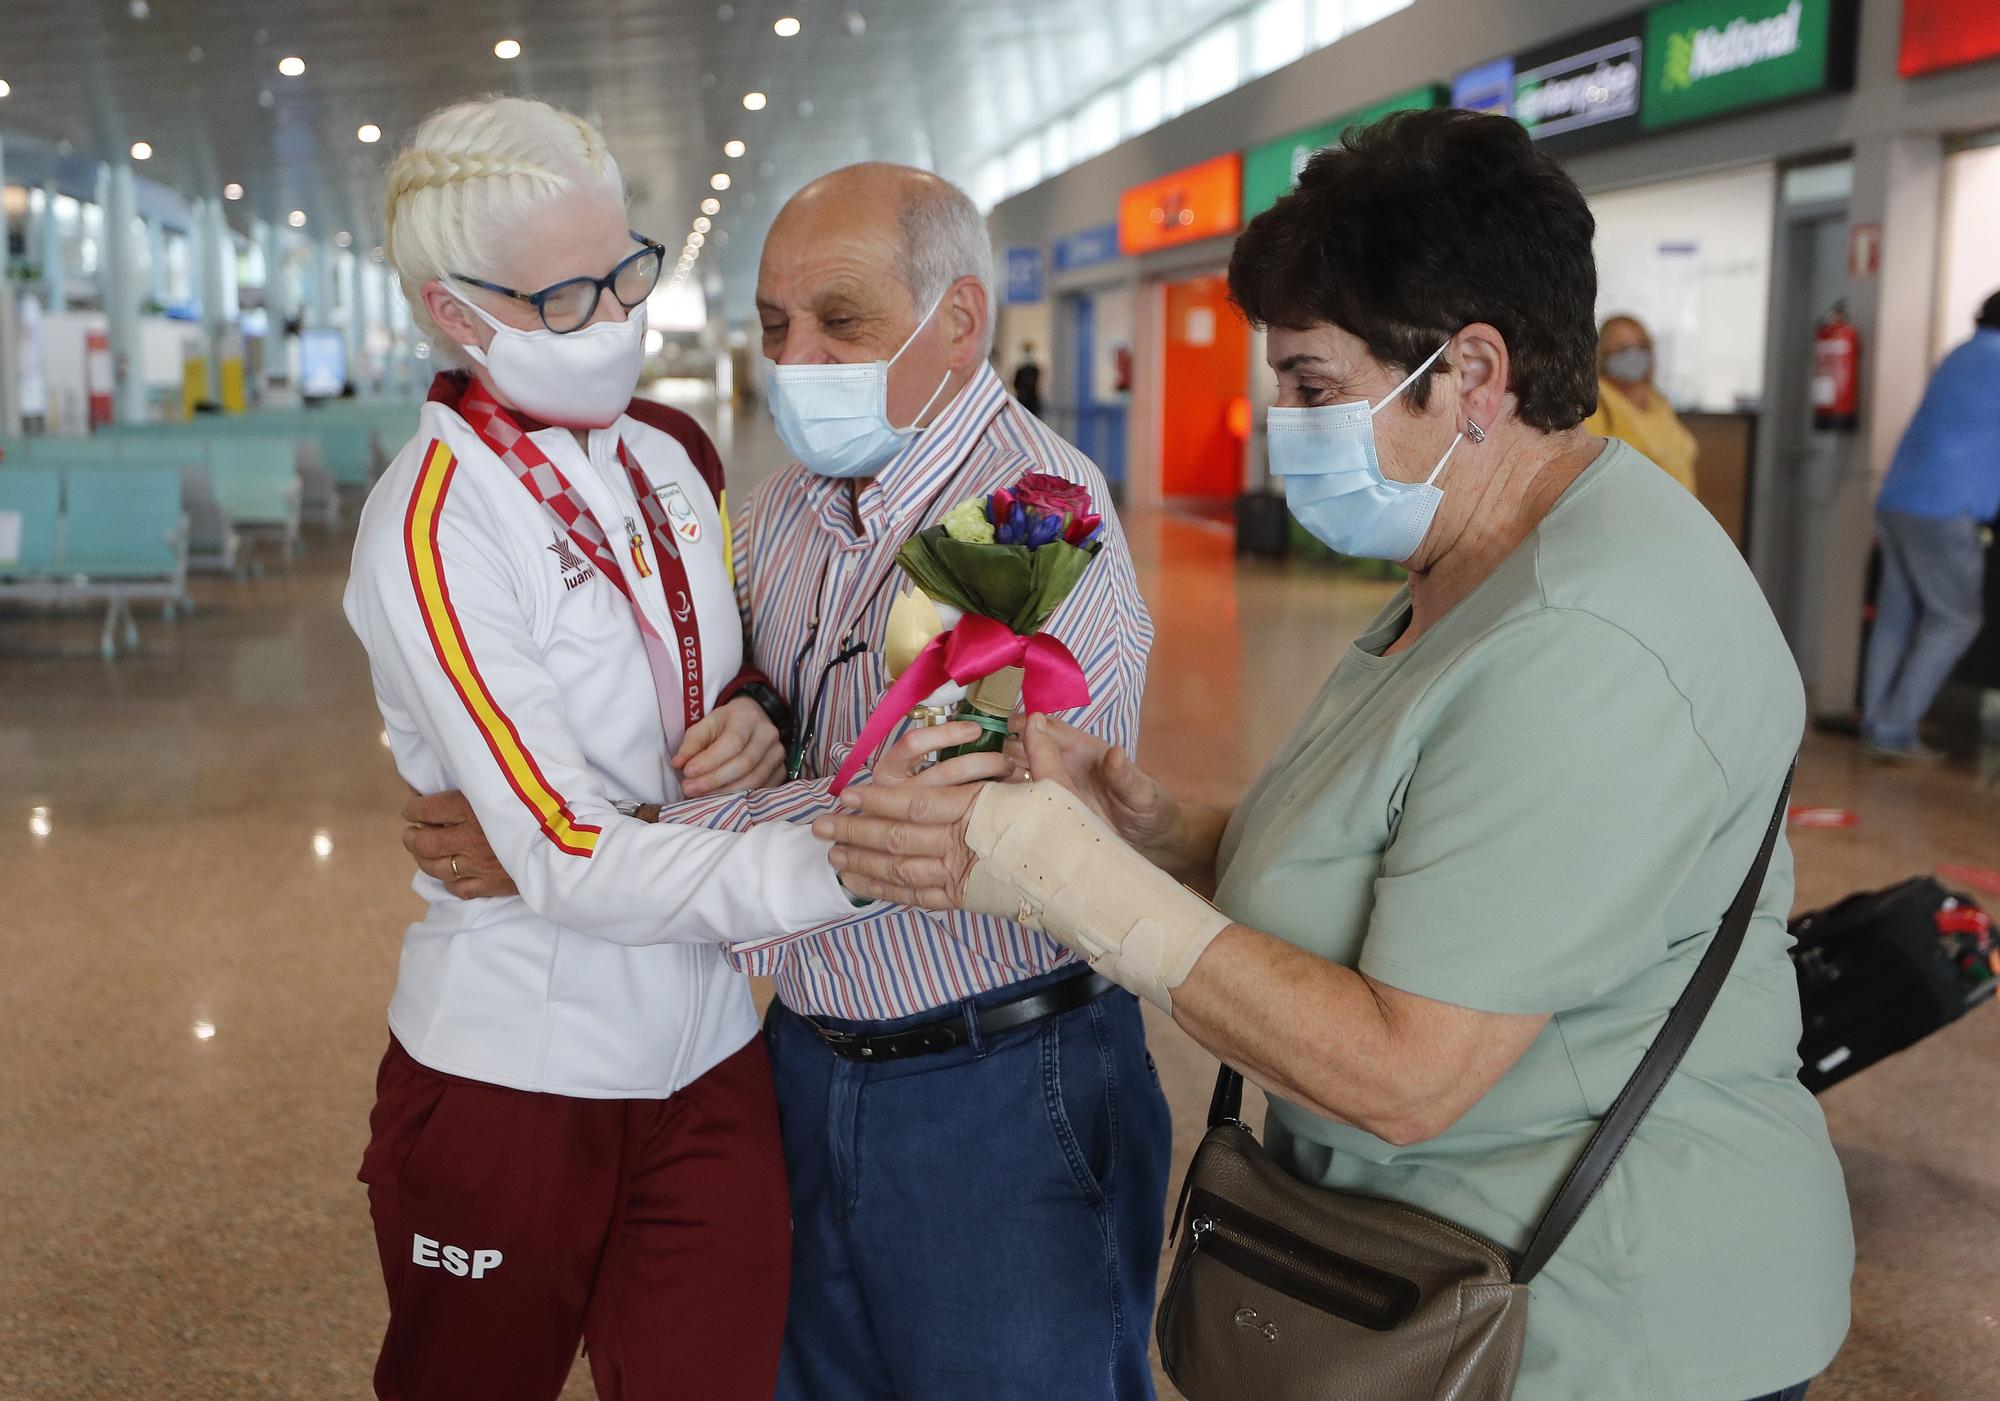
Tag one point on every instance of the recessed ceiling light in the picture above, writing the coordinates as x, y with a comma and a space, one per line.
754, 101
141, 151
139, 9
732, 149
786, 27
343, 239
5, 87
265, 98
297, 218
291, 66
368, 133
232, 191
711, 205
702, 225
718, 181
507, 48
855, 23
695, 240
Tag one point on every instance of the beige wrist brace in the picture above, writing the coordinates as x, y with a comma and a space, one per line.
1050, 863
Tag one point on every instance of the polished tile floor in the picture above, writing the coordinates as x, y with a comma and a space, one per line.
201, 893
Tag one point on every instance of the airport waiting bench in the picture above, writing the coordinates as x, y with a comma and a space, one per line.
239, 486
82, 532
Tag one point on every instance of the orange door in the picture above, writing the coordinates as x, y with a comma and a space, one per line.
1206, 371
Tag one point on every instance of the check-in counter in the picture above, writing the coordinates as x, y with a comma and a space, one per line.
1727, 444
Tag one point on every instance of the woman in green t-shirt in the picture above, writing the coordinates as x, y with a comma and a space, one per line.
1455, 909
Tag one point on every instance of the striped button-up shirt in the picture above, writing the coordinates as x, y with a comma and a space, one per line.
812, 586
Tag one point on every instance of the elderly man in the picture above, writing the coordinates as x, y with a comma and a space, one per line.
976, 1140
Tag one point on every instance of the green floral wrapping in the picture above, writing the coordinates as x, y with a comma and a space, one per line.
1011, 584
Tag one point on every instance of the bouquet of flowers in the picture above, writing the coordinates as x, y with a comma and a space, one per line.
965, 643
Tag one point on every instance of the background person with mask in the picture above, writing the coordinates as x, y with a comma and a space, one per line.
574, 1133
1631, 408
976, 1140
1458, 904
1941, 494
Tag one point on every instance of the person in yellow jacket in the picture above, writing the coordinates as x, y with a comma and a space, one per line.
1631, 407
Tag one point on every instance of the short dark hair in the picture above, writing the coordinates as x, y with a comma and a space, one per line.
1422, 224
1989, 314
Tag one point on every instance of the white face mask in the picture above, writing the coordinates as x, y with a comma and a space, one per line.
1334, 485
835, 418
579, 379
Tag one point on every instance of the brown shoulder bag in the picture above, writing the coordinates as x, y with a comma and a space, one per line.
1283, 1291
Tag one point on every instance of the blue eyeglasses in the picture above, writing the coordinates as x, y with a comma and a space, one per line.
568, 305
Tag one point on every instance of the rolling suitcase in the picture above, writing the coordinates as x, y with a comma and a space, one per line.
1883, 969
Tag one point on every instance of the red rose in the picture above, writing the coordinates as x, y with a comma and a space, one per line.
1052, 496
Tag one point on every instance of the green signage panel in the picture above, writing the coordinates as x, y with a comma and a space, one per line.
1272, 169
1707, 57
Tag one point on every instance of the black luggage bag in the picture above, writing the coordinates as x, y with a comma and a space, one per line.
1882, 970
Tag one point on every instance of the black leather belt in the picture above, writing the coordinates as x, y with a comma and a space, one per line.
949, 1033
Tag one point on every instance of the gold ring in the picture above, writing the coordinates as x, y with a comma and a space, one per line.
456, 874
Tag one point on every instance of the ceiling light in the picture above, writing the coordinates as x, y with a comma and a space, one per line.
141, 151
507, 48
291, 66
343, 239
297, 218
322, 845
204, 1030
786, 27
732, 149
139, 9
711, 205
232, 191
695, 240
754, 101
855, 23
702, 225
717, 181
5, 87
38, 821
368, 133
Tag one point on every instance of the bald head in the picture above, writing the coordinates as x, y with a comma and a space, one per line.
873, 257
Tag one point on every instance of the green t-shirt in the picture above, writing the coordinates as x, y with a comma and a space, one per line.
1544, 805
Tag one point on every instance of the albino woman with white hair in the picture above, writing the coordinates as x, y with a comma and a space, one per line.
574, 1135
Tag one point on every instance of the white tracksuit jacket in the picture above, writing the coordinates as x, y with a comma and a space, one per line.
509, 668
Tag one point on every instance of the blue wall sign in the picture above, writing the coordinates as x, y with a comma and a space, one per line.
1087, 248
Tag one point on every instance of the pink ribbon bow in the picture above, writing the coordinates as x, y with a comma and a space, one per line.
1051, 679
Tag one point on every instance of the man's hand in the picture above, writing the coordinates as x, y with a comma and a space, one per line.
906, 760
903, 843
734, 748
450, 846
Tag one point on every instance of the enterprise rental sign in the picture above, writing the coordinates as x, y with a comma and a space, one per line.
1705, 57
1582, 90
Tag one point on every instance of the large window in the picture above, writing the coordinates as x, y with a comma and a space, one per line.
1277, 34
1258, 37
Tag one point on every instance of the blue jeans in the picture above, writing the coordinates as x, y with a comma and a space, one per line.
1927, 612
980, 1224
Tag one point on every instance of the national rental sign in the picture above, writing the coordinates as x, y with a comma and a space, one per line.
1705, 57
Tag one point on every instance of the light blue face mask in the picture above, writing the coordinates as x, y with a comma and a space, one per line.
1334, 485
835, 418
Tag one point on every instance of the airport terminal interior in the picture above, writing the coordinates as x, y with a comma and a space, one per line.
207, 362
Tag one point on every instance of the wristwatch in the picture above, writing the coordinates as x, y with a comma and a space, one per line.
626, 808
770, 702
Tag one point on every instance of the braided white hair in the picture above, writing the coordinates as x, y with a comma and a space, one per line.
470, 172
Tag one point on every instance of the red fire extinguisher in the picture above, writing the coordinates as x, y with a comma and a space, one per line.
1836, 375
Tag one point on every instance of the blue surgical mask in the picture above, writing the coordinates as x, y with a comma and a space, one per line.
1633, 365
1334, 485
835, 418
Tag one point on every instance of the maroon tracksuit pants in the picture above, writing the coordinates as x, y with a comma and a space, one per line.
512, 1225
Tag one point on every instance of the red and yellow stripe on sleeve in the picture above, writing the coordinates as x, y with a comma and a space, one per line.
420, 544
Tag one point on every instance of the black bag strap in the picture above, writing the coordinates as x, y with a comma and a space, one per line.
1614, 1131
